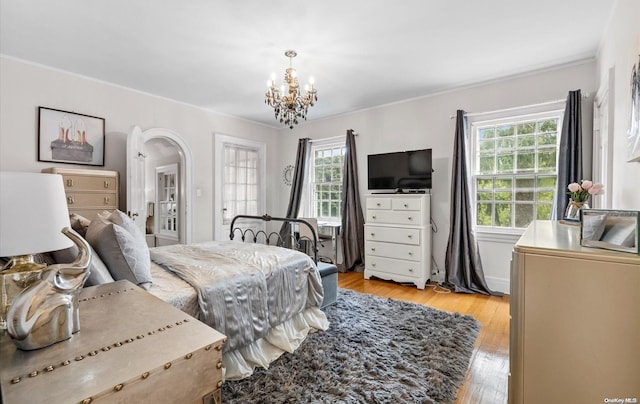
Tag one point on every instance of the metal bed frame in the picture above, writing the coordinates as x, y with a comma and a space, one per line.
279, 241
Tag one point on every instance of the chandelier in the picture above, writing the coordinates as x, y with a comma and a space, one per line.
290, 105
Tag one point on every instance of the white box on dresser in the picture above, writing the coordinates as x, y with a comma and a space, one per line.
132, 347
575, 320
398, 238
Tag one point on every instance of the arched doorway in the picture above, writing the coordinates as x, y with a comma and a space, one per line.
139, 146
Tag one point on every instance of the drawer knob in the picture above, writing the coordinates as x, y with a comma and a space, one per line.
373, 217
107, 199
410, 236
378, 204
373, 234
373, 265
406, 206
410, 269
410, 253
373, 249
69, 182
106, 183
410, 218
70, 200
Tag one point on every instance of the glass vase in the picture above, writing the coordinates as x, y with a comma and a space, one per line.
573, 210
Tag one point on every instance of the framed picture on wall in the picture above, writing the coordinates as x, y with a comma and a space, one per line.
634, 115
69, 137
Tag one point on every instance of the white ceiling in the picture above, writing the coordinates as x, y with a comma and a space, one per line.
219, 54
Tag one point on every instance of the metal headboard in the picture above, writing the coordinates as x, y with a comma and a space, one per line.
269, 236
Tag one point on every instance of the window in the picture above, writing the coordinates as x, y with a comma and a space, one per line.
515, 169
327, 163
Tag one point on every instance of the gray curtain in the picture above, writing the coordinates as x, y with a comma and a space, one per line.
570, 158
297, 184
463, 267
352, 218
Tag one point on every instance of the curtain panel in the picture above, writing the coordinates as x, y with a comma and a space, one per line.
570, 153
352, 217
297, 186
463, 267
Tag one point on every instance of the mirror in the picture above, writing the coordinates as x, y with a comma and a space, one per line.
287, 175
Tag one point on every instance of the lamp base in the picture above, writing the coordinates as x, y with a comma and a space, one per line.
20, 272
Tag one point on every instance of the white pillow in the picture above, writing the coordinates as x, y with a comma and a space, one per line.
123, 250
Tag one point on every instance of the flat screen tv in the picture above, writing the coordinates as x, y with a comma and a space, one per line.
406, 170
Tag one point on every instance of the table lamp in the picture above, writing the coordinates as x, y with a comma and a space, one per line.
33, 215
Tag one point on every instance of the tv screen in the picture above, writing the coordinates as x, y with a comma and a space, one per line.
400, 170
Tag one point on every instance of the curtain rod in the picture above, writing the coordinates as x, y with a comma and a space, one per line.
330, 138
584, 96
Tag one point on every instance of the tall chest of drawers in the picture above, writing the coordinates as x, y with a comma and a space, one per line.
89, 192
398, 238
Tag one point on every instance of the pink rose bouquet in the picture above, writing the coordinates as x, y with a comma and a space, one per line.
581, 192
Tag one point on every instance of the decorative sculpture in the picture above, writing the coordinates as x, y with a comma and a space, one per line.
47, 311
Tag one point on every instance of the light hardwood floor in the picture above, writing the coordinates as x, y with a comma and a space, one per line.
487, 376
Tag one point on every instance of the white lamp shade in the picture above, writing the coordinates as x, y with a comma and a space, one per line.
33, 211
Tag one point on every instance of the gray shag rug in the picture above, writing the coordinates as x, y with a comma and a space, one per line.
376, 350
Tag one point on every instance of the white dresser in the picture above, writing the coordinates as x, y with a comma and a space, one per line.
398, 238
575, 320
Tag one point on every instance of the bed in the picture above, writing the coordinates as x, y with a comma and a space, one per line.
265, 298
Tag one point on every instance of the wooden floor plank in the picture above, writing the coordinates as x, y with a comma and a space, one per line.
487, 376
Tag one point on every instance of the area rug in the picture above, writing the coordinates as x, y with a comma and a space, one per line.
376, 350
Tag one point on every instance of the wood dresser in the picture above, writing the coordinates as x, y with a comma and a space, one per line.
398, 238
575, 320
131, 348
92, 190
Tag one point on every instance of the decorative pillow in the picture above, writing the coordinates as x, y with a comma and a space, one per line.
125, 221
98, 272
79, 223
126, 255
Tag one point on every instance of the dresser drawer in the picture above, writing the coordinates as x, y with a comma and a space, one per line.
89, 183
392, 266
392, 250
379, 203
106, 200
406, 204
394, 217
399, 235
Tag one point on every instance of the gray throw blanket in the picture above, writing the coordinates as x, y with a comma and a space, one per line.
244, 289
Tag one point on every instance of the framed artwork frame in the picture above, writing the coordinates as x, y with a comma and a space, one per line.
634, 114
70, 137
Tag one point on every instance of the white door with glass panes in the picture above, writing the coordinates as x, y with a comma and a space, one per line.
168, 203
240, 168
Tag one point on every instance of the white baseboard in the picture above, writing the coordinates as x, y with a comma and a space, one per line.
498, 284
